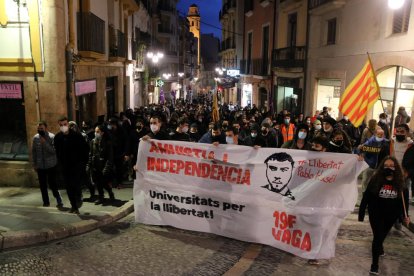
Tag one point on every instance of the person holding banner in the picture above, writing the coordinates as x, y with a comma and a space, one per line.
386, 204
300, 140
156, 131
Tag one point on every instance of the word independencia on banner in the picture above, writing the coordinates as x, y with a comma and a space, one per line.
289, 199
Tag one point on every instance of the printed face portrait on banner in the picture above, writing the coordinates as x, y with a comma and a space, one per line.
279, 169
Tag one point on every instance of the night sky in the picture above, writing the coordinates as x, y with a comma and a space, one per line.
209, 11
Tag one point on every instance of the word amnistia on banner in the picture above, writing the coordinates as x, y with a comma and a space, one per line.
283, 231
224, 173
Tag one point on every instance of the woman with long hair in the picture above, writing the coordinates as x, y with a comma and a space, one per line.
383, 197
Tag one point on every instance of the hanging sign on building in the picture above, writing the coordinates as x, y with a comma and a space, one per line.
159, 83
10, 90
85, 87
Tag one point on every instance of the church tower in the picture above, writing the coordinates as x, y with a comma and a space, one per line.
193, 17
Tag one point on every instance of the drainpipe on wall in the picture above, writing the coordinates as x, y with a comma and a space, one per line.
272, 84
68, 60
305, 67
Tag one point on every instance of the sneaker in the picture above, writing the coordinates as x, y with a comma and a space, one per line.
383, 254
46, 205
374, 270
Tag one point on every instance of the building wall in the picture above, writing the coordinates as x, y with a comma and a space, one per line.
51, 90
359, 30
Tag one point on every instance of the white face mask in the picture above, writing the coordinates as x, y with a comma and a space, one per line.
254, 135
318, 127
98, 135
229, 140
302, 135
383, 121
64, 129
185, 129
154, 128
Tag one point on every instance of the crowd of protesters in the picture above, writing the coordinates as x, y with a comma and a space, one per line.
102, 155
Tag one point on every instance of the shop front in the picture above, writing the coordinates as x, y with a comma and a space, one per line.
288, 95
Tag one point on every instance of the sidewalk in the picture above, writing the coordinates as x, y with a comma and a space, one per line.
24, 221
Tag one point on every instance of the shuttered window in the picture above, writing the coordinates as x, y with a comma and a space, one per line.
401, 18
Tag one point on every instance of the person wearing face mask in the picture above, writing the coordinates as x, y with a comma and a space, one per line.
315, 130
385, 205
44, 163
194, 134
402, 117
72, 153
373, 151
214, 136
101, 163
369, 130
232, 136
135, 137
250, 139
399, 146
287, 129
384, 125
328, 125
339, 142
300, 141
156, 131
181, 132
264, 138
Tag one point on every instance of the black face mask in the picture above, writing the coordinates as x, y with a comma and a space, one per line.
338, 143
388, 172
215, 138
139, 128
264, 132
400, 138
41, 132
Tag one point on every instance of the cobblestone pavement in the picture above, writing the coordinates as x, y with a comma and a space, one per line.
128, 248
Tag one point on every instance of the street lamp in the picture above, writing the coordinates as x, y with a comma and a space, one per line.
155, 57
166, 75
180, 75
395, 4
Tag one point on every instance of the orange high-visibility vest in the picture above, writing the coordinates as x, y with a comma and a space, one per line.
289, 133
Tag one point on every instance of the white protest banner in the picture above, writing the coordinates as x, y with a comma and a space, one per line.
289, 199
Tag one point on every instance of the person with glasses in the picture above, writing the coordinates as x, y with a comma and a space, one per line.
384, 200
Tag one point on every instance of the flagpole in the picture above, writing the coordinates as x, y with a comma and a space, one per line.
376, 82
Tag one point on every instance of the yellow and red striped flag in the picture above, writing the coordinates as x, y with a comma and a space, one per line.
360, 95
215, 115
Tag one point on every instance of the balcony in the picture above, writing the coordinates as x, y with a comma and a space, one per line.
117, 45
290, 57
91, 33
228, 44
165, 30
318, 7
257, 67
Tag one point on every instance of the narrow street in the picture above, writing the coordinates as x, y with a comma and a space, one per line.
128, 248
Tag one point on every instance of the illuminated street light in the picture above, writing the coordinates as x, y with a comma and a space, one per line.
181, 75
155, 57
166, 75
395, 4
195, 79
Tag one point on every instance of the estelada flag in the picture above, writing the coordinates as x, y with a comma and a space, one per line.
215, 115
360, 95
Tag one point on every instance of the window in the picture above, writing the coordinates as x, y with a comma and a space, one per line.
192, 23
249, 51
401, 19
292, 27
265, 51
331, 35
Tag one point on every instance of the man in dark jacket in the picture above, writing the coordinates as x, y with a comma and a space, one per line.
120, 144
181, 132
100, 163
72, 154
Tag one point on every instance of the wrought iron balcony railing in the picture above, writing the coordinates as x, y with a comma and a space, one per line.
91, 33
289, 57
